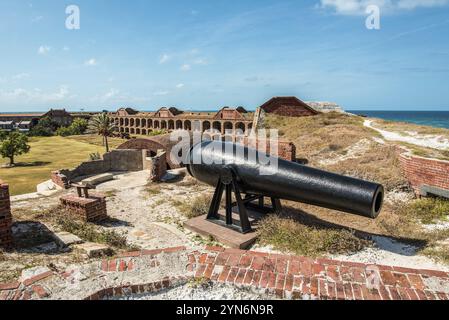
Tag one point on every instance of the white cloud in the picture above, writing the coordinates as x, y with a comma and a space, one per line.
21, 95
161, 93
43, 50
21, 76
200, 61
412, 4
186, 67
180, 85
164, 58
91, 62
65, 48
357, 7
37, 19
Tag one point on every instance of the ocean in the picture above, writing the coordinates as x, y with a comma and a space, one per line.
438, 119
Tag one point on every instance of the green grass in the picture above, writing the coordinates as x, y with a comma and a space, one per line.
428, 210
194, 208
286, 234
47, 154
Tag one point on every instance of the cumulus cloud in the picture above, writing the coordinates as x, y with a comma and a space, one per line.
161, 93
91, 62
35, 95
186, 67
43, 50
356, 7
21, 76
164, 58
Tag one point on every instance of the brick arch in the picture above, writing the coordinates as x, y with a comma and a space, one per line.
206, 126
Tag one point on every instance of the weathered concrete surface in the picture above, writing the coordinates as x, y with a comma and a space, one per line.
94, 250
66, 239
100, 178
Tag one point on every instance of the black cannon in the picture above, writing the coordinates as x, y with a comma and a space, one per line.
237, 169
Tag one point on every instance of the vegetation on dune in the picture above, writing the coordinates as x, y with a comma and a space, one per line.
331, 135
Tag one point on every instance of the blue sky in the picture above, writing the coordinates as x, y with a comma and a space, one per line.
201, 55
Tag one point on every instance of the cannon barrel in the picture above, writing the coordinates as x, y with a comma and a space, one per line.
289, 181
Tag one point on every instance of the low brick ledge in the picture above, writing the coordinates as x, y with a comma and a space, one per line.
285, 276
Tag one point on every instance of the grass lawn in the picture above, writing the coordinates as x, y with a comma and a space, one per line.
48, 154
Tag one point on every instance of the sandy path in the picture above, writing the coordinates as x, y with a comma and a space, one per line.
429, 141
149, 220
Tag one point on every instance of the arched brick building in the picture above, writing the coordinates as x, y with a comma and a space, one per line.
131, 121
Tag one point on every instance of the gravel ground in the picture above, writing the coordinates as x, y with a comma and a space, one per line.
208, 292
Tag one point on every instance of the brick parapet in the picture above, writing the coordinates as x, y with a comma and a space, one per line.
284, 276
5, 216
422, 171
92, 209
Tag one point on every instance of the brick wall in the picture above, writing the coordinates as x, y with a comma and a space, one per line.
92, 209
158, 166
286, 150
60, 179
422, 171
5, 216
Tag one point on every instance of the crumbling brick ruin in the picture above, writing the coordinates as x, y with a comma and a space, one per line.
425, 175
92, 209
158, 167
5, 216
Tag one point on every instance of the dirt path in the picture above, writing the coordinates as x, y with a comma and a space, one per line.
146, 213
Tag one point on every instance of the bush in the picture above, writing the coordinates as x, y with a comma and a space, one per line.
196, 207
78, 127
88, 232
427, 210
289, 235
44, 128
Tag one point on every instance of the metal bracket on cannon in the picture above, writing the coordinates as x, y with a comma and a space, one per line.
227, 184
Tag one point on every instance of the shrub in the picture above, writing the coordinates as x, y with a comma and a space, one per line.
289, 235
89, 232
94, 156
194, 208
427, 210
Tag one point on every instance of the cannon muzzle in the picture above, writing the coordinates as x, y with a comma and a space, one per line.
212, 161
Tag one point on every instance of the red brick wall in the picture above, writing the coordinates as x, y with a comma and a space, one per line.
5, 216
286, 150
92, 209
59, 179
288, 107
158, 167
422, 171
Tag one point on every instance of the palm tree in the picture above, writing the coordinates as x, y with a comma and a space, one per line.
102, 125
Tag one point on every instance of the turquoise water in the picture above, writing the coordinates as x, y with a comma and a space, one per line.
438, 119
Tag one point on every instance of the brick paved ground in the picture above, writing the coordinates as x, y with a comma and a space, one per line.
287, 277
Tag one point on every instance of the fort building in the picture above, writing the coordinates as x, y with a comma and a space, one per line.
227, 119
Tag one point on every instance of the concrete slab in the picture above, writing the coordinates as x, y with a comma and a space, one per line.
94, 250
95, 180
66, 239
221, 233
